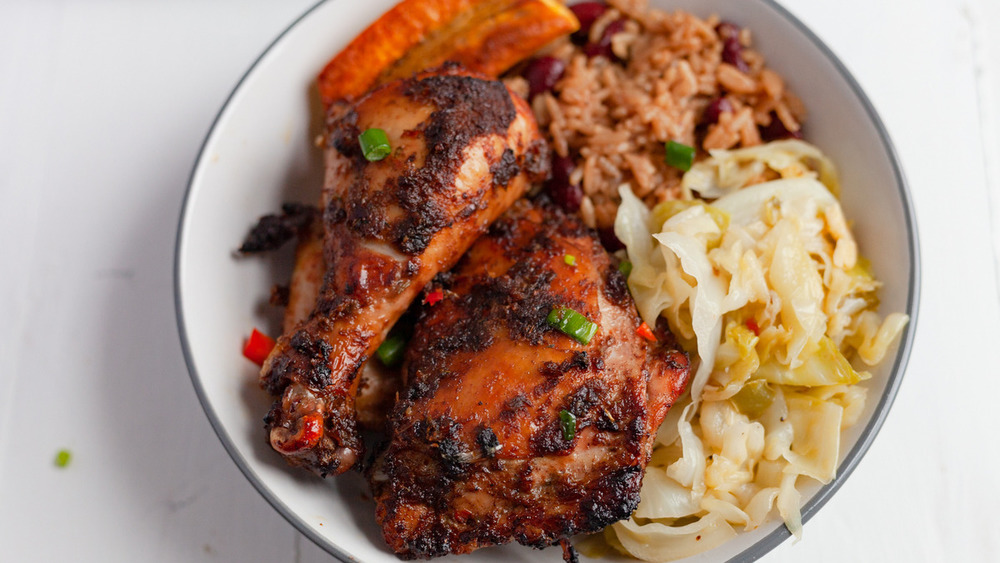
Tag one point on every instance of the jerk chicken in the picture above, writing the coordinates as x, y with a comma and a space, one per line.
508, 429
463, 150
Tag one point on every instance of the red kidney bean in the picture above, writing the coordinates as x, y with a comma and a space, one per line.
715, 108
587, 13
732, 53
609, 239
566, 195
732, 49
727, 30
776, 130
542, 74
603, 46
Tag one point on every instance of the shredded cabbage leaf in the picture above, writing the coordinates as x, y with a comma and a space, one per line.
729, 170
766, 289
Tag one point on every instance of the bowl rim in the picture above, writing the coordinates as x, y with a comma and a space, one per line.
757, 549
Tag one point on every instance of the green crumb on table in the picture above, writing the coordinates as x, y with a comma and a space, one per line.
62, 458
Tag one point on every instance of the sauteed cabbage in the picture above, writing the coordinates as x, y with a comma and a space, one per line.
765, 288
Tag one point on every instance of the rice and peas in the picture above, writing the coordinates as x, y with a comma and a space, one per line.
747, 255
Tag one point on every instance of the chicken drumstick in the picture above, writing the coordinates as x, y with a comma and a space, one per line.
463, 149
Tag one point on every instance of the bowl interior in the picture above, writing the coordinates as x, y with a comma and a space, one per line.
260, 153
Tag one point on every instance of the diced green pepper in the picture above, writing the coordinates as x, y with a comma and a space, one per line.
754, 398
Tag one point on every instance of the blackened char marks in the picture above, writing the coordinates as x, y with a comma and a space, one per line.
518, 301
335, 212
435, 544
272, 231
506, 169
467, 108
310, 365
423, 194
569, 553
342, 134
588, 397
422, 386
616, 288
366, 216
522, 300
554, 371
514, 407
614, 497
443, 436
488, 442
578, 361
550, 439
466, 334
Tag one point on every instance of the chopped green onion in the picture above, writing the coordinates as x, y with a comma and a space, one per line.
62, 458
568, 422
570, 260
374, 144
625, 268
679, 155
390, 352
572, 324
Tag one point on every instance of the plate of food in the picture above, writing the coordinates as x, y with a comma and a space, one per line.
630, 280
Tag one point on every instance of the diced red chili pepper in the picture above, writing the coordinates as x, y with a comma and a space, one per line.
309, 432
645, 332
753, 326
434, 296
258, 347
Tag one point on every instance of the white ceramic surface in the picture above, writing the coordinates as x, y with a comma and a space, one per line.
260, 154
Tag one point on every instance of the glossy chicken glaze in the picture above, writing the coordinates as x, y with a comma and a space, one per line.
463, 150
478, 454
377, 384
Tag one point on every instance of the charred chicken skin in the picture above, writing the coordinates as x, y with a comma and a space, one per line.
508, 429
463, 150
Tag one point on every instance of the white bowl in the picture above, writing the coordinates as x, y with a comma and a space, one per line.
260, 153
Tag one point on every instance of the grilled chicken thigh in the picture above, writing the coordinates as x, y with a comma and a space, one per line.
509, 429
463, 149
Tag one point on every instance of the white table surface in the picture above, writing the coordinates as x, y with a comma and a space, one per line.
103, 107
